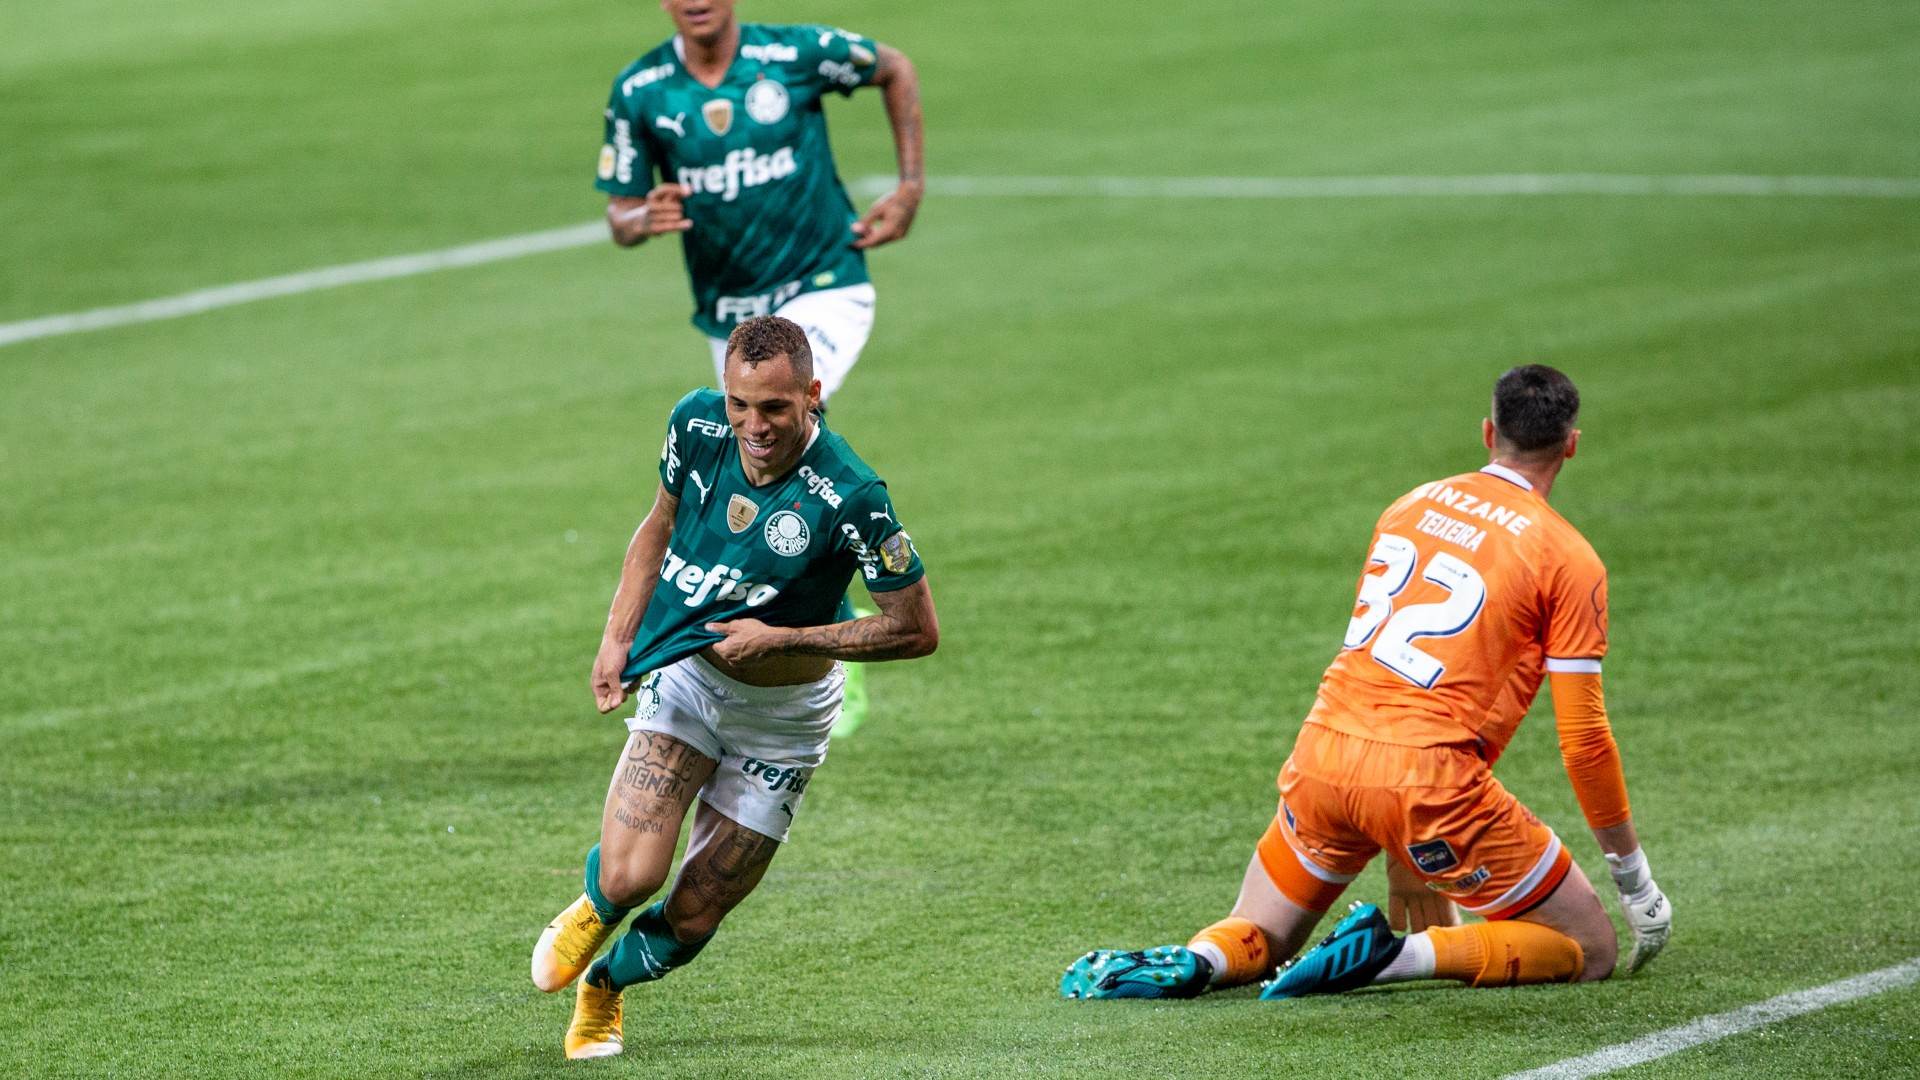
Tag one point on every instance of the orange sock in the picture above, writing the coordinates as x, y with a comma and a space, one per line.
1507, 953
1236, 948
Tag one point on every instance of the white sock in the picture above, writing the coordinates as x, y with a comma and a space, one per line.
1414, 962
1212, 954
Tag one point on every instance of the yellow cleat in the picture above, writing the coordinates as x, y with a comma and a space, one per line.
595, 1031
567, 946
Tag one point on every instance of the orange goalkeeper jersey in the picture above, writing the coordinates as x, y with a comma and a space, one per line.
1473, 589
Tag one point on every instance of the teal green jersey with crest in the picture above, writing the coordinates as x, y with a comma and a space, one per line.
770, 215
783, 552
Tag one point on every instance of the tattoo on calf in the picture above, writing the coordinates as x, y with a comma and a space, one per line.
724, 878
743, 852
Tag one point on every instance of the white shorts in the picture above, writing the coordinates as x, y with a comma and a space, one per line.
767, 739
838, 323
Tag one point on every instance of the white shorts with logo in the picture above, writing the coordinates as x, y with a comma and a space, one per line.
767, 739
837, 322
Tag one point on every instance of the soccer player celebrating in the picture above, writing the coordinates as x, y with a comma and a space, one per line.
1473, 590
729, 115
722, 627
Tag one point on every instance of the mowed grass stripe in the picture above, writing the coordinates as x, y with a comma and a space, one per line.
1723, 1025
1110, 187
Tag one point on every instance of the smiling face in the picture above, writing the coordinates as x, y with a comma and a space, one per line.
770, 407
701, 21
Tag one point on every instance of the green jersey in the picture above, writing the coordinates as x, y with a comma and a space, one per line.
770, 216
782, 552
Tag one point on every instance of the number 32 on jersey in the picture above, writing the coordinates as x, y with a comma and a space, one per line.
1393, 632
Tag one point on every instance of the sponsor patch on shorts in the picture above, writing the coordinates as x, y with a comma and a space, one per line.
1465, 886
790, 778
1433, 856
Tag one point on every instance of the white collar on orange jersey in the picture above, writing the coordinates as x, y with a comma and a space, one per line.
1509, 475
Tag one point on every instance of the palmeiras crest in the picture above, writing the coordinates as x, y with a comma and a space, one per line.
767, 101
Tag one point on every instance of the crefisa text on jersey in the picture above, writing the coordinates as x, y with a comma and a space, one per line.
772, 53
721, 582
820, 486
742, 168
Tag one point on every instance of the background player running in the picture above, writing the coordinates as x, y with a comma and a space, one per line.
761, 519
1473, 589
729, 116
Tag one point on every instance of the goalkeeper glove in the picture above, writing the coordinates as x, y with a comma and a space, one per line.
1649, 914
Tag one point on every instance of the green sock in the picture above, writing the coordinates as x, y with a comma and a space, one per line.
606, 910
647, 951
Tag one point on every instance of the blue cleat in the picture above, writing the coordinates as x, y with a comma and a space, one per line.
1359, 947
1170, 971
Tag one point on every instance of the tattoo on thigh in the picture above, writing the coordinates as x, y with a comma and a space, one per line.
632, 820
653, 780
638, 780
663, 753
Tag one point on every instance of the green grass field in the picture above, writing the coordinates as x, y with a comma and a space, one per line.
297, 599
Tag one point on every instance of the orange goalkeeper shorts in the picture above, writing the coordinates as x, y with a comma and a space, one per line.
1438, 810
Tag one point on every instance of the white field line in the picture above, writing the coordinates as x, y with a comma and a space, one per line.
1106, 187
1399, 187
1720, 1025
330, 277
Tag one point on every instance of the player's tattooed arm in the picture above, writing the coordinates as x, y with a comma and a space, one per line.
638, 575
905, 628
891, 216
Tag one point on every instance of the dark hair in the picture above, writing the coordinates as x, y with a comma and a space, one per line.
766, 337
1534, 407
